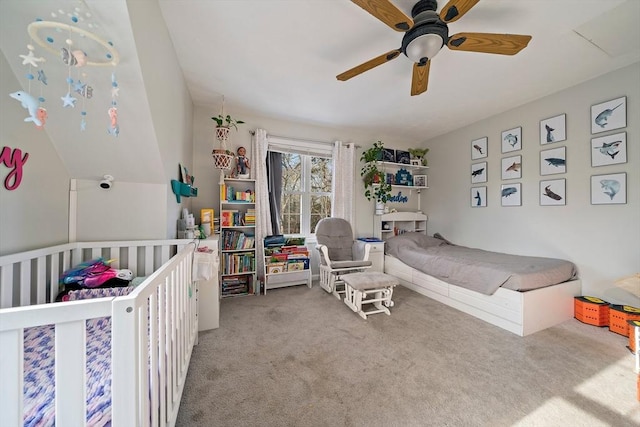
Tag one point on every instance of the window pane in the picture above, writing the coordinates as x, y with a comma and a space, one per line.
290, 216
320, 208
321, 171
291, 172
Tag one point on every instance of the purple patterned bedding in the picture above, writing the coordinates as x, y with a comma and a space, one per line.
39, 390
39, 367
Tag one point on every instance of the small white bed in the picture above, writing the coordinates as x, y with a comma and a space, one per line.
520, 312
114, 360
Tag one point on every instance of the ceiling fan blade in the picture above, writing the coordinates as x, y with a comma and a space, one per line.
455, 9
386, 12
386, 57
502, 44
420, 78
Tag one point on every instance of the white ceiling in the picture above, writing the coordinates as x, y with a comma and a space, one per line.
280, 58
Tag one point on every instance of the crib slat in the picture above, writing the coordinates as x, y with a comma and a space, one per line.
133, 260
11, 372
96, 253
162, 363
148, 260
143, 362
114, 254
25, 283
41, 280
6, 290
164, 254
153, 357
70, 371
54, 276
123, 384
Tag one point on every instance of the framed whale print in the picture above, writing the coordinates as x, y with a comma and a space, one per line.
553, 129
553, 161
512, 140
553, 192
609, 115
510, 194
610, 189
479, 172
609, 150
512, 167
479, 197
479, 148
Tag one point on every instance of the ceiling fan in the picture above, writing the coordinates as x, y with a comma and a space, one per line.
427, 32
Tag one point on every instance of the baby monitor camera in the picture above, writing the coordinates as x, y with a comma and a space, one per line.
107, 182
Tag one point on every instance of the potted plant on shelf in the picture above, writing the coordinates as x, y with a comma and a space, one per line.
419, 153
375, 185
222, 157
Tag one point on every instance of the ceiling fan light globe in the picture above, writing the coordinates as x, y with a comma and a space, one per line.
424, 47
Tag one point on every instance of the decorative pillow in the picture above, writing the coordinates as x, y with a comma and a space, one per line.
98, 293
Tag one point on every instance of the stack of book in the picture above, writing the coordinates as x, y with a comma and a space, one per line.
236, 285
250, 217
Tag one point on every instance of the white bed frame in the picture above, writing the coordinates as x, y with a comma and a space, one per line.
167, 297
522, 313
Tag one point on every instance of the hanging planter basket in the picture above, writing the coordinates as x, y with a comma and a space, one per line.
222, 133
221, 160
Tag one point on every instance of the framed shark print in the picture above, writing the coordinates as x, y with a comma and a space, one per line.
512, 167
553, 129
553, 161
610, 189
479, 172
609, 150
553, 192
609, 115
479, 148
479, 197
511, 194
512, 140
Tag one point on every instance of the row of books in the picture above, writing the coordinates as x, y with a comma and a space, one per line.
275, 267
234, 218
234, 240
250, 217
236, 285
228, 193
234, 263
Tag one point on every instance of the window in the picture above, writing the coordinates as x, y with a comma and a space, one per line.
306, 192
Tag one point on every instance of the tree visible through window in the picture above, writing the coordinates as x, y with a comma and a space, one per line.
306, 192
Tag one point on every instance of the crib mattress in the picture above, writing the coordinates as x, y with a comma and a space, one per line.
39, 374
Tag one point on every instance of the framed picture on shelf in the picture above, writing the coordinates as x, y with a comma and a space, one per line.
553, 161
415, 162
512, 167
512, 140
553, 192
510, 194
479, 172
609, 115
553, 129
609, 150
389, 155
610, 189
403, 157
478, 197
479, 148
420, 180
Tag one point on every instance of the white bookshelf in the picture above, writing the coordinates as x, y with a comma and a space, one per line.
391, 224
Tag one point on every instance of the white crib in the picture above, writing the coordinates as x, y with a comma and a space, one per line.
153, 330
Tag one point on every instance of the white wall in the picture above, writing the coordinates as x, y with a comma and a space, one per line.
35, 213
603, 240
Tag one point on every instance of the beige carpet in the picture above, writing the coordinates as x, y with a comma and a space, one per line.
300, 357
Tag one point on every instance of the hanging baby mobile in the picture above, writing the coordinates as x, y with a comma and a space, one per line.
75, 47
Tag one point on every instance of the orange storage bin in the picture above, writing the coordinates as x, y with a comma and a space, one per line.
619, 316
632, 334
591, 310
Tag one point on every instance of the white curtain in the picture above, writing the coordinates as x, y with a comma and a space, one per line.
263, 216
343, 181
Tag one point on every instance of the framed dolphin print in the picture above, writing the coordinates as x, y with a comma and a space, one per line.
609, 115
512, 140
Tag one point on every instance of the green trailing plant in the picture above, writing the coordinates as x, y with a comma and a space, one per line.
375, 185
419, 153
227, 121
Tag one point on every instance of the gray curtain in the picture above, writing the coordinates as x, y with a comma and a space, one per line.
274, 174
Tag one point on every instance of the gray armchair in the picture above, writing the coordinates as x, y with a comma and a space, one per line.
339, 254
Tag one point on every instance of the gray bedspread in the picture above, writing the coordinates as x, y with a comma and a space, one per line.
476, 269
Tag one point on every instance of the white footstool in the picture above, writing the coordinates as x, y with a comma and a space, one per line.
369, 288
